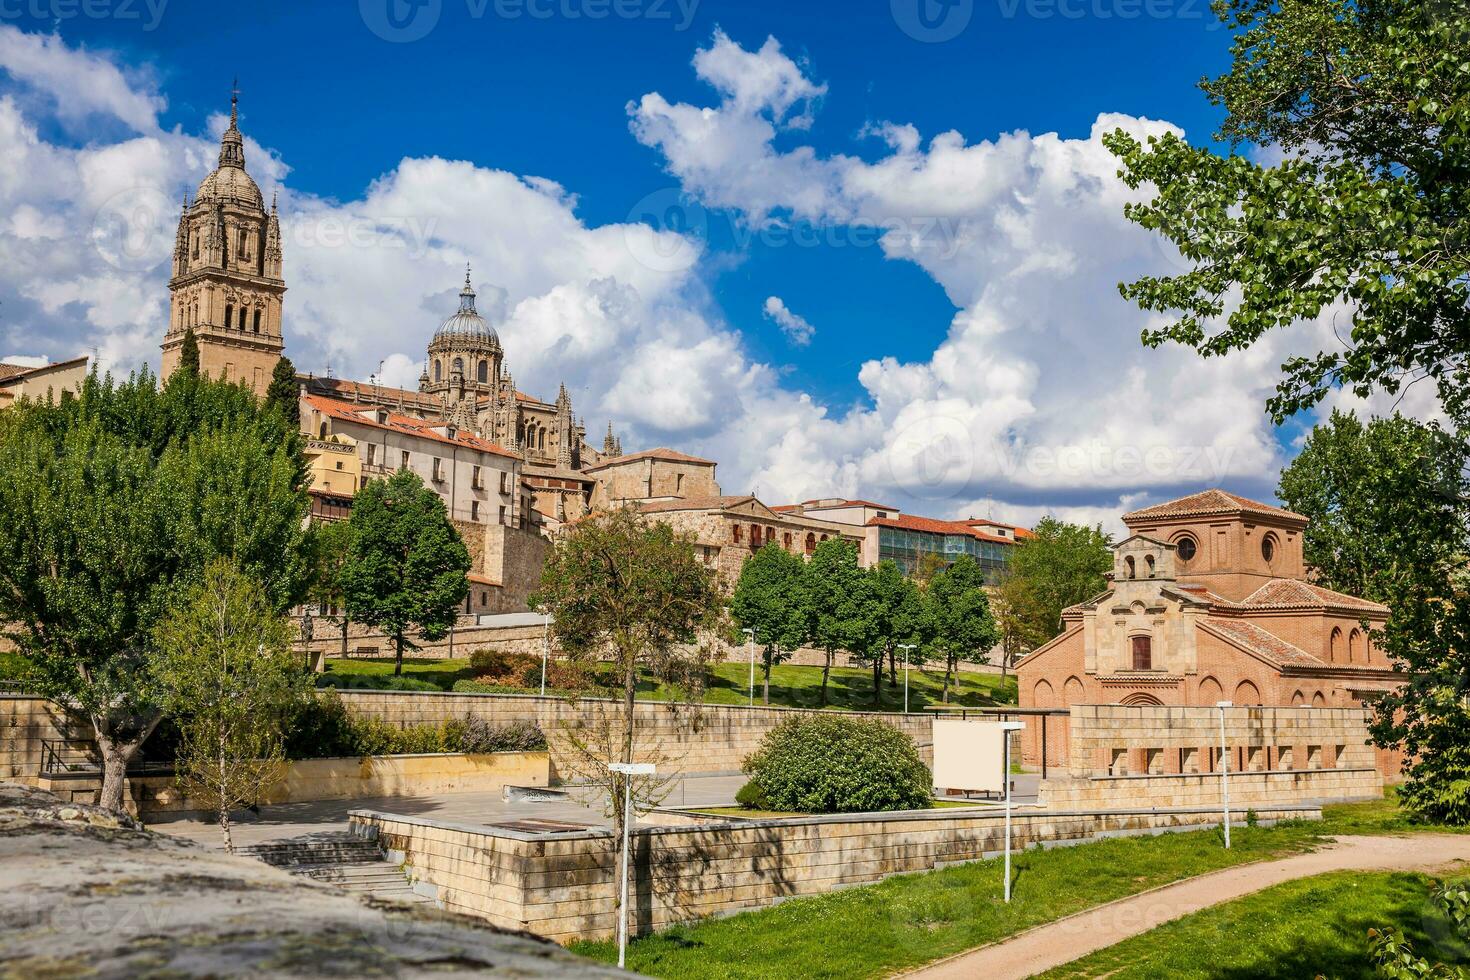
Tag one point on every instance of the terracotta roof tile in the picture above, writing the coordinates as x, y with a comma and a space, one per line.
928, 525
1288, 593
1261, 642
661, 452
691, 503
1206, 502
350, 412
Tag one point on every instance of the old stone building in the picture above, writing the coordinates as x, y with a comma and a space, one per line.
1209, 600
227, 283
652, 475
48, 381
728, 530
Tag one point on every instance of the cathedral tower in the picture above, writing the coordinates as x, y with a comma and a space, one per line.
226, 282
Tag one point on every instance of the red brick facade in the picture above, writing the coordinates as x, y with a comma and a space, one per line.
1208, 602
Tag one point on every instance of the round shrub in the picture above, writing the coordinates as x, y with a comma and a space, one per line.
828, 763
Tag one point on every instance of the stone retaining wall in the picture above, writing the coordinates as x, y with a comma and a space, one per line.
693, 739
1247, 789
25, 722
561, 885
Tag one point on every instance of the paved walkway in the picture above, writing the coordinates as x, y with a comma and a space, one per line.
297, 819
1057, 943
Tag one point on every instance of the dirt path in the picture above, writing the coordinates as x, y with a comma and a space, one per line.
1068, 939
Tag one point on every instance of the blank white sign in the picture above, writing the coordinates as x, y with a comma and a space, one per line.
969, 755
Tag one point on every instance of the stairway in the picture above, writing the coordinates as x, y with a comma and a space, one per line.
350, 862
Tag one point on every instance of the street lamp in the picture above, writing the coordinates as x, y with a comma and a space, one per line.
750, 642
545, 645
627, 770
1007, 727
1225, 768
906, 647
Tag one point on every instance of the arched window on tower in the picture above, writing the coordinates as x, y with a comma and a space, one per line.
541, 439
438, 371
257, 319
194, 250
242, 319
1128, 567
483, 372
229, 314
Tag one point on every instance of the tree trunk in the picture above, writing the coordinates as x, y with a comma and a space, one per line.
948, 672
224, 826
398, 656
344, 636
826, 673
877, 679
116, 754
892, 666
766, 680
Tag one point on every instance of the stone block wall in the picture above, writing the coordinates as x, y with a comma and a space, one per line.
561, 885
24, 723
1110, 739
1247, 789
694, 739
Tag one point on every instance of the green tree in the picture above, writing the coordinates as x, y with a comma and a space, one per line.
768, 600
112, 504
283, 393
835, 596
331, 543
406, 566
898, 616
1387, 501
1368, 101
1056, 566
959, 608
189, 354
224, 671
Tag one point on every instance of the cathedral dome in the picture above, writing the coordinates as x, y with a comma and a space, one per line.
228, 183
466, 321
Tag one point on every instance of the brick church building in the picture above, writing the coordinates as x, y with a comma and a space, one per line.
1209, 600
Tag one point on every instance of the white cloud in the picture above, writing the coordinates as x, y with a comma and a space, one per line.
797, 330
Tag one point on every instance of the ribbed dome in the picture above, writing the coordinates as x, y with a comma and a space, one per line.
230, 184
466, 322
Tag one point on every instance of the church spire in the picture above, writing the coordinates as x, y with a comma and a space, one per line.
231, 144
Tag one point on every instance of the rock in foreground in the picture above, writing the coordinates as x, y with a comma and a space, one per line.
87, 893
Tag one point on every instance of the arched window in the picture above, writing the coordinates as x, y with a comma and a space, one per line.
541, 439
438, 371
1318, 701
1042, 695
1186, 548
1149, 561
1246, 693
786, 540
1268, 548
1334, 647
1128, 568
322, 432
482, 373
811, 542
1298, 699
229, 313
257, 320
1355, 647
1143, 652
1210, 692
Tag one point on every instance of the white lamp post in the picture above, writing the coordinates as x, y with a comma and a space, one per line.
545, 649
1225, 768
627, 770
1007, 727
906, 647
750, 643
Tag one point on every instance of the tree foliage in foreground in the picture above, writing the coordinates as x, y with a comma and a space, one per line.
112, 504
1369, 103
1390, 521
226, 675
1056, 566
828, 763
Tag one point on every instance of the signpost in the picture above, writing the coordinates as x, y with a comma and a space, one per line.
627, 770
1007, 727
1225, 768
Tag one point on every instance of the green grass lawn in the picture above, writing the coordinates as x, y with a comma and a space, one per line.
791, 686
1315, 926
909, 920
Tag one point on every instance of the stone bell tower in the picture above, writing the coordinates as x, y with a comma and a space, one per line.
226, 283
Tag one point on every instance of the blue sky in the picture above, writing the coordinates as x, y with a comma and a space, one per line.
927, 200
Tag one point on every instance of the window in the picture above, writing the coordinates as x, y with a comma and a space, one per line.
1143, 656
339, 466
1128, 567
786, 540
1149, 561
438, 371
502, 514
405, 459
1268, 547
229, 313
504, 482
483, 372
474, 510
475, 480
438, 470
1187, 548
372, 454
257, 321
736, 533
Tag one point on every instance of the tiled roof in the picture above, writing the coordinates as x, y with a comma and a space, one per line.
1289, 593
845, 503
12, 372
349, 412
662, 452
928, 525
691, 503
364, 393
1263, 643
1209, 502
